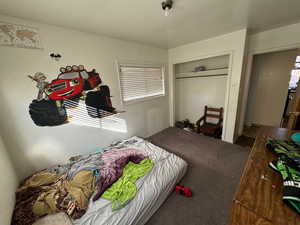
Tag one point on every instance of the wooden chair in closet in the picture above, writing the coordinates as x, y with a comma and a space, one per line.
209, 128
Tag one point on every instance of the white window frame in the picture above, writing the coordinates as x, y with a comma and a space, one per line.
141, 99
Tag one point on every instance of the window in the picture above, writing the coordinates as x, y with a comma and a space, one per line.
295, 75
140, 82
297, 64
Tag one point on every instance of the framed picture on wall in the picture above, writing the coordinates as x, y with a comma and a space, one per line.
19, 36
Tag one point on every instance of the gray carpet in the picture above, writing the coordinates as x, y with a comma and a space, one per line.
215, 168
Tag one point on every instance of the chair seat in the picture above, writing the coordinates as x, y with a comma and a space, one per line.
209, 128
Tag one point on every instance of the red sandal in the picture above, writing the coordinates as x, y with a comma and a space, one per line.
185, 191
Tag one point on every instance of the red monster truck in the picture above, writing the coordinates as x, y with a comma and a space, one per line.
65, 92
71, 82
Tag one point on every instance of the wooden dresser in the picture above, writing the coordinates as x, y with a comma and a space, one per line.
256, 202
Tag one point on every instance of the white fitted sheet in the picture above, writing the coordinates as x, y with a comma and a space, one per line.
153, 189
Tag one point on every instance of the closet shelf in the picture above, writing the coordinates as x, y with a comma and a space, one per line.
206, 73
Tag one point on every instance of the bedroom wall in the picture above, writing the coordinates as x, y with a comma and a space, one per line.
231, 43
32, 148
8, 185
278, 39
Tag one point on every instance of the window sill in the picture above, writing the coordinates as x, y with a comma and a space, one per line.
144, 99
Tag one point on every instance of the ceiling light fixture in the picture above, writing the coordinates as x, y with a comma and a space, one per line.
167, 6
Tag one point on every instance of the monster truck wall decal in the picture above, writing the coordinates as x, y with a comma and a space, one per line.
73, 84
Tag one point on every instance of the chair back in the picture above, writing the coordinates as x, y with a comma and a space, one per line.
215, 113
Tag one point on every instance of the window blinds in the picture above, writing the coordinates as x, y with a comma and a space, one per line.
139, 82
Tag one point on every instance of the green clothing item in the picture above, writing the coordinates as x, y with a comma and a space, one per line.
291, 183
288, 165
122, 191
287, 151
289, 148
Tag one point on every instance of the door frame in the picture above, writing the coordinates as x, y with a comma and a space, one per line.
249, 65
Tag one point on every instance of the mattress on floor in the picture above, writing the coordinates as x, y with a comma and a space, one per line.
153, 189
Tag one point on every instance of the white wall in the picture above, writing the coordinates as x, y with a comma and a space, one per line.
32, 148
286, 37
269, 84
193, 94
282, 38
8, 185
233, 44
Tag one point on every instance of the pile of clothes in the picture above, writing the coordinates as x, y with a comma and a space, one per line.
68, 188
288, 165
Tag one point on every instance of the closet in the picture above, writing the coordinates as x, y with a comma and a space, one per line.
199, 83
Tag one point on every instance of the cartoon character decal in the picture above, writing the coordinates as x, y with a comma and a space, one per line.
73, 84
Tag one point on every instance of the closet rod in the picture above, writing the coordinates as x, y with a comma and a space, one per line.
218, 75
220, 68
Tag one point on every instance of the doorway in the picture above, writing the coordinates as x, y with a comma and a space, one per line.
269, 87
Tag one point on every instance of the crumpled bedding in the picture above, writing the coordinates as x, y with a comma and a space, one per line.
122, 191
77, 164
46, 193
152, 189
54, 219
114, 161
68, 188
